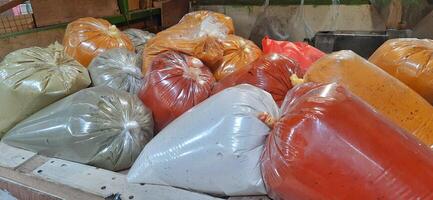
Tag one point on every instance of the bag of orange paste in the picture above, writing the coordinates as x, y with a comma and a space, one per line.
273, 73
175, 83
329, 144
301, 52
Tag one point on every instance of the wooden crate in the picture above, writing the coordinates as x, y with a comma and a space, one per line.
171, 11
134, 4
9, 24
49, 12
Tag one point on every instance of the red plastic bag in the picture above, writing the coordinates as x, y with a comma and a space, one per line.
271, 72
328, 144
175, 83
301, 52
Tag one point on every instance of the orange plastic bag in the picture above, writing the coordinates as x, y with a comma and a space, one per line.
273, 73
87, 37
175, 83
199, 34
386, 94
238, 53
329, 144
301, 52
410, 61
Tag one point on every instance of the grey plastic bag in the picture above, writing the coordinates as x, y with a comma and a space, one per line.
117, 68
98, 126
35, 77
138, 37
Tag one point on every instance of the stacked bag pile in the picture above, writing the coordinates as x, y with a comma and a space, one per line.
197, 107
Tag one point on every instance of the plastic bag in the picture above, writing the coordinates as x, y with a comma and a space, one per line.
87, 37
238, 53
98, 126
117, 68
35, 77
300, 52
386, 94
138, 37
273, 73
410, 61
329, 144
214, 148
199, 34
175, 83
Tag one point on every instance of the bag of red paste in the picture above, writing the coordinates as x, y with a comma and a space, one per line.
273, 73
328, 144
174, 84
301, 52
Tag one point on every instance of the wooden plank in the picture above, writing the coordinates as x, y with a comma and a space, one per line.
133, 4
172, 11
23, 192
49, 12
276, 2
105, 183
11, 157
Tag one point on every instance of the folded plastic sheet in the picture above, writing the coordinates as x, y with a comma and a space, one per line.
175, 83
138, 37
199, 34
300, 52
329, 144
119, 69
35, 77
386, 94
410, 61
98, 126
238, 53
215, 147
273, 73
87, 37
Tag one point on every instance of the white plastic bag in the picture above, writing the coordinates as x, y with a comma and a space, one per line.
215, 147
117, 68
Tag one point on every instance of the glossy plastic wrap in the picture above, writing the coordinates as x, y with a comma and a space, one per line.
215, 147
87, 37
35, 77
273, 73
386, 94
138, 37
98, 126
119, 69
300, 52
199, 34
238, 53
175, 83
329, 144
410, 61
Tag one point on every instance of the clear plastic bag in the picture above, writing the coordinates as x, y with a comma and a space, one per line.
386, 94
273, 73
215, 147
175, 83
139, 38
35, 77
98, 126
119, 69
410, 61
198, 34
87, 37
329, 144
238, 53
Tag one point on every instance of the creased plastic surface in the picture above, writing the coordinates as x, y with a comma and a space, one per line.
138, 37
175, 83
300, 52
215, 147
329, 144
119, 69
87, 37
271, 72
386, 94
410, 61
238, 53
35, 77
198, 34
98, 126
